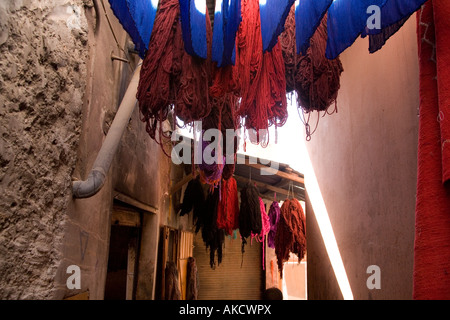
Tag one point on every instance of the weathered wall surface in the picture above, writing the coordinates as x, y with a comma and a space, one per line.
43, 69
365, 160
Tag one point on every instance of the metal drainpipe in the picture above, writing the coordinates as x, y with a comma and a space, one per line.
97, 176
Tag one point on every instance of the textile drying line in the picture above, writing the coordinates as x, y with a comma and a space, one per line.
249, 58
348, 20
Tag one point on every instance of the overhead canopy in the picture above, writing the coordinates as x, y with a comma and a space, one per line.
272, 179
347, 20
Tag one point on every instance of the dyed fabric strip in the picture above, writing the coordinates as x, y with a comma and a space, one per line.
308, 15
193, 25
227, 18
273, 14
137, 18
347, 19
392, 17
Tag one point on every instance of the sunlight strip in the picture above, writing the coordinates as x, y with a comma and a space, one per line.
323, 220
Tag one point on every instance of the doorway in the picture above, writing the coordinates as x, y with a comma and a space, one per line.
123, 257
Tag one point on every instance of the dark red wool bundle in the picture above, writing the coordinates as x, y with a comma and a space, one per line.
171, 78
291, 233
161, 68
257, 78
315, 78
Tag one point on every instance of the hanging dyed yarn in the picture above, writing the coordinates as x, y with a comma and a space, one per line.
170, 77
222, 117
193, 199
249, 213
161, 68
265, 228
262, 84
192, 280
207, 223
211, 169
228, 209
291, 233
274, 217
265, 223
172, 286
192, 101
314, 78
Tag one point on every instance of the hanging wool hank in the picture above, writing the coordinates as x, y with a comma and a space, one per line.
161, 68
291, 233
274, 217
211, 169
265, 223
249, 213
262, 84
228, 209
170, 77
212, 236
192, 99
193, 199
314, 78
192, 280
222, 117
265, 228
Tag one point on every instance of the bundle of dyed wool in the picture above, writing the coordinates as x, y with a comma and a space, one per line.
170, 77
274, 217
249, 213
161, 68
265, 228
193, 199
171, 285
228, 209
223, 117
207, 223
210, 170
315, 79
262, 86
192, 281
291, 233
265, 223
193, 101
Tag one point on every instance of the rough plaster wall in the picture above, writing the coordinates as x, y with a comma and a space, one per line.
42, 81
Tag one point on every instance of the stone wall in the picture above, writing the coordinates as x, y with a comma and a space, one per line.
43, 71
